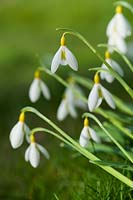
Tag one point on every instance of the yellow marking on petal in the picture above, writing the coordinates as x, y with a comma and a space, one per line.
119, 9
63, 55
37, 74
86, 122
107, 54
22, 117
32, 138
96, 78
62, 41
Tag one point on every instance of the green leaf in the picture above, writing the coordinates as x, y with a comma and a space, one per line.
113, 164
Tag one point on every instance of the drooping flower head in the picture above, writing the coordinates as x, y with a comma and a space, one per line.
106, 75
70, 101
63, 57
88, 133
32, 154
117, 30
37, 87
97, 94
18, 131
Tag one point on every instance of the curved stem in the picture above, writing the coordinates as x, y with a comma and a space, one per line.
80, 149
109, 135
115, 74
129, 64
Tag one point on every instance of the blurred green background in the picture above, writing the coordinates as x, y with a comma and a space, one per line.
27, 29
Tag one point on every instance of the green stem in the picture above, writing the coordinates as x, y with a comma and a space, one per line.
115, 74
109, 135
129, 64
80, 149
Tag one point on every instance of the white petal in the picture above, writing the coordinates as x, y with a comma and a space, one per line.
34, 156
116, 67
123, 26
56, 60
110, 27
99, 102
94, 136
93, 97
84, 137
27, 154
72, 110
106, 75
118, 42
45, 90
71, 60
34, 92
62, 111
17, 135
43, 151
108, 97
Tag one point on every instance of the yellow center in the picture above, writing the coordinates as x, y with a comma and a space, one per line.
37, 74
62, 41
119, 9
96, 78
32, 138
86, 122
22, 117
107, 55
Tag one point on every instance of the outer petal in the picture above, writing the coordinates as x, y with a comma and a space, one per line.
34, 156
94, 136
43, 151
106, 75
45, 90
17, 135
84, 137
121, 45
34, 92
71, 60
93, 97
62, 111
110, 27
27, 152
56, 61
123, 26
72, 110
116, 67
108, 97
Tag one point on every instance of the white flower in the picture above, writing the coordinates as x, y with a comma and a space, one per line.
119, 25
38, 86
117, 42
32, 154
70, 101
106, 75
97, 94
18, 131
64, 57
88, 133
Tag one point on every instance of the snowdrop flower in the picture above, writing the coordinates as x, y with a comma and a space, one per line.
106, 75
119, 24
70, 101
88, 133
63, 57
97, 94
117, 30
38, 86
18, 131
32, 154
